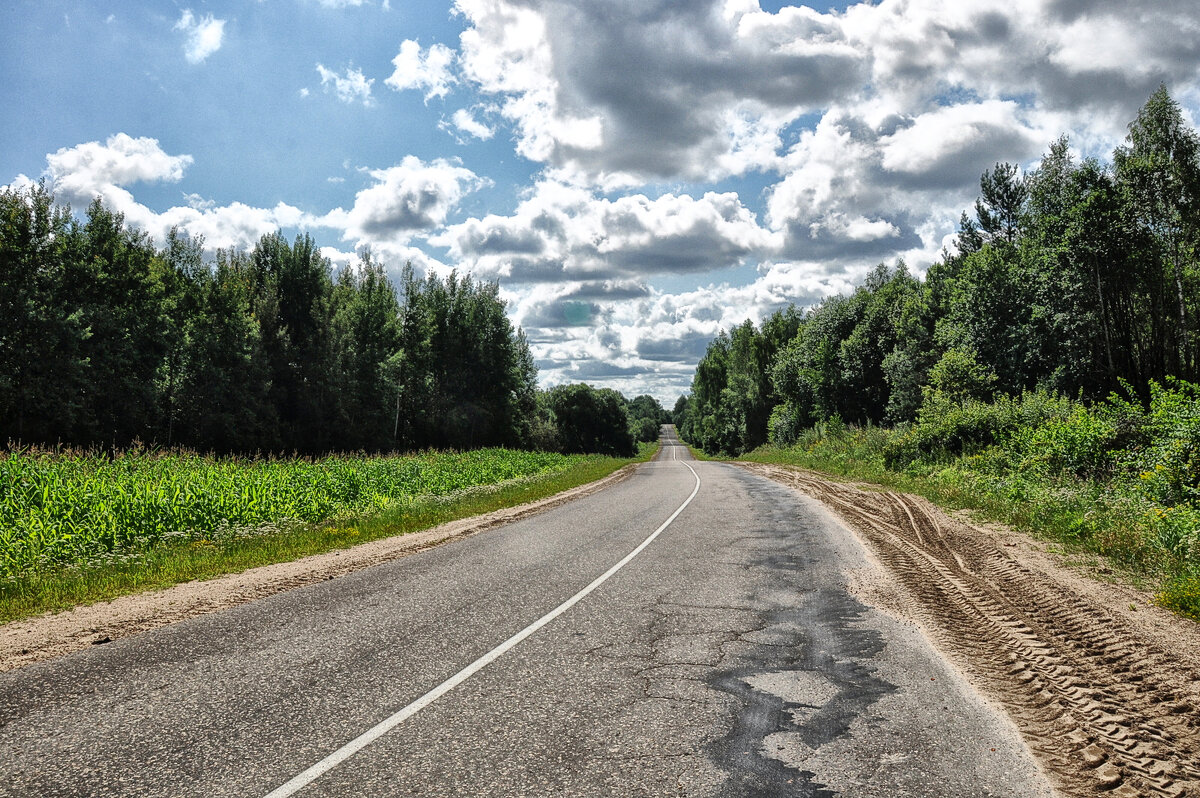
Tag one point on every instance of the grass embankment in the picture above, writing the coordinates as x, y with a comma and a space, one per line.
1115, 479
76, 528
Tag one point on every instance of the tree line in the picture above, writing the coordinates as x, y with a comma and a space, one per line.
106, 339
1078, 277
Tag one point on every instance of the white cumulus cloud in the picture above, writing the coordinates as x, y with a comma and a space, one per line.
563, 232
404, 200
86, 171
202, 35
353, 86
465, 122
429, 71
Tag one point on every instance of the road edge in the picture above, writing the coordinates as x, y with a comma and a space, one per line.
53, 635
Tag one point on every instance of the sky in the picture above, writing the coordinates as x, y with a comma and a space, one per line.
637, 175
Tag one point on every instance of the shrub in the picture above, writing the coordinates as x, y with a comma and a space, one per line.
1181, 593
959, 377
1168, 457
947, 428
1080, 442
784, 425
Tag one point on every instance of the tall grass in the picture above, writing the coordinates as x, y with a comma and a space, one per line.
72, 507
376, 497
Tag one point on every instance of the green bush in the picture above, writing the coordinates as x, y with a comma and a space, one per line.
1120, 478
947, 428
1181, 593
959, 377
1080, 442
1167, 457
644, 430
784, 425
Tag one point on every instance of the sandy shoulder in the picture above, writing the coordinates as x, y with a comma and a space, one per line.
1103, 685
54, 635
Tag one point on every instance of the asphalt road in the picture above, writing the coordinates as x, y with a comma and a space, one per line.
726, 658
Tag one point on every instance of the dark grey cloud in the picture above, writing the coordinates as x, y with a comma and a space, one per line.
608, 290
584, 370
1071, 10
689, 347
413, 210
802, 244
661, 77
1114, 91
501, 239
559, 313
584, 304
696, 252
962, 164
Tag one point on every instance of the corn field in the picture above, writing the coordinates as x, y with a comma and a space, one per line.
64, 508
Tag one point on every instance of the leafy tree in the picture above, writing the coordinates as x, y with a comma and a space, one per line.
224, 400
1159, 167
105, 339
991, 312
646, 416
43, 333
680, 411
121, 303
294, 288
468, 378
366, 322
1069, 280
591, 420
837, 364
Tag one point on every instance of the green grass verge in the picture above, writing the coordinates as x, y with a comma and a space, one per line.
60, 589
700, 454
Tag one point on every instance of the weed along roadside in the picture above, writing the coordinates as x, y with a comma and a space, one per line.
1048, 466
98, 527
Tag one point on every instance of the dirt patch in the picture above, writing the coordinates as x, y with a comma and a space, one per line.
1104, 686
53, 635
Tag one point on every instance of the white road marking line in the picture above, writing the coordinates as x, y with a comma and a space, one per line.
383, 727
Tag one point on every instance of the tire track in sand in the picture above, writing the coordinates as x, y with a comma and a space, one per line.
1105, 710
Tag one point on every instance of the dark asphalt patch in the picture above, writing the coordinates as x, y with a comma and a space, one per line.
826, 639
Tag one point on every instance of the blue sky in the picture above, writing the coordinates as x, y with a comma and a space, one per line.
636, 174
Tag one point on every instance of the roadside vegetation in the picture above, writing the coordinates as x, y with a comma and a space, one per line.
81, 527
83, 508
1044, 372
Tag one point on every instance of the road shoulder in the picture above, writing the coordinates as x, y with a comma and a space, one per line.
1103, 686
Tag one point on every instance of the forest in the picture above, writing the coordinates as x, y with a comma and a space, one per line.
1079, 279
106, 339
